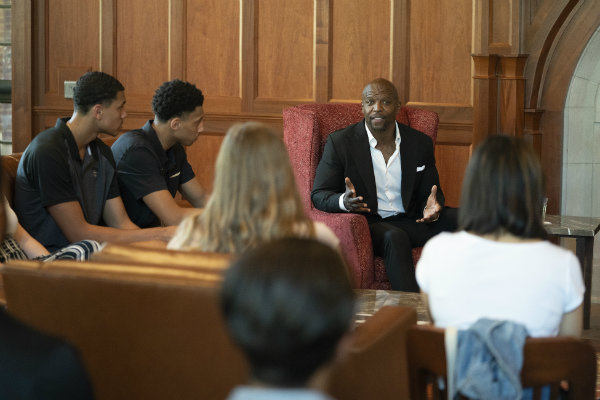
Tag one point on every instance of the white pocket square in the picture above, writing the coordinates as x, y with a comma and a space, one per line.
421, 168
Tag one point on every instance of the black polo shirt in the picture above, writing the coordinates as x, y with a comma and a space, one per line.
52, 172
144, 167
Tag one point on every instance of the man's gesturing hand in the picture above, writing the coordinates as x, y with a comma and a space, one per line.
352, 202
432, 210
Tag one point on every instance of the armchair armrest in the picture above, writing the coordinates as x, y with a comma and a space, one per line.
355, 243
373, 363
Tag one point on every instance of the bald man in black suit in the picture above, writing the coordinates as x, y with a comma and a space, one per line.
386, 171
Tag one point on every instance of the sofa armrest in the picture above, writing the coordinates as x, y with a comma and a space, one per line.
355, 243
372, 364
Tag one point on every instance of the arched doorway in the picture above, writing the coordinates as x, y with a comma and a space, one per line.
581, 136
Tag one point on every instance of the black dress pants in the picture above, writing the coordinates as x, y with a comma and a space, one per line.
395, 237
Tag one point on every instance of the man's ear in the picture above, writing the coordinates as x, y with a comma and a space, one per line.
97, 109
175, 123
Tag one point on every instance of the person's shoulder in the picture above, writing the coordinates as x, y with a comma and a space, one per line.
348, 131
47, 139
128, 139
47, 145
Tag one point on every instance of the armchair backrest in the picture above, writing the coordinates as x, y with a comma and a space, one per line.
546, 361
306, 127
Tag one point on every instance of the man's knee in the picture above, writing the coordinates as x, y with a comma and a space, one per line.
396, 238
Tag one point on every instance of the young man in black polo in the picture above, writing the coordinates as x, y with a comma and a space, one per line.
66, 189
151, 161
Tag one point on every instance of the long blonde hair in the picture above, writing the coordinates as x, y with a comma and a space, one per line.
254, 198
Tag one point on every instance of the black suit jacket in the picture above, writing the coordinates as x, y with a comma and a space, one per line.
36, 366
347, 154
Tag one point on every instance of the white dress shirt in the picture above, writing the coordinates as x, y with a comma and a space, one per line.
388, 178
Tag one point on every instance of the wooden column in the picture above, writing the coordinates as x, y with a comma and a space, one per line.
531, 130
485, 89
511, 95
22, 74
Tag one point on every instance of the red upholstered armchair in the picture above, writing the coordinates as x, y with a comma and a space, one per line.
305, 130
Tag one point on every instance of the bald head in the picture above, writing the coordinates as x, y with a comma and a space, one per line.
380, 105
381, 84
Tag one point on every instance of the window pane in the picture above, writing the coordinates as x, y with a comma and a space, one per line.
5, 24
5, 128
5, 74
5, 62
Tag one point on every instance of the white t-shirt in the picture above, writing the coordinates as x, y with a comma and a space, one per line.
467, 277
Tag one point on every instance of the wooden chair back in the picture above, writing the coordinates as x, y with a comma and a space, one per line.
546, 362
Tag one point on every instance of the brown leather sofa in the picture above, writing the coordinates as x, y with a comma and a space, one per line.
153, 330
143, 332
10, 163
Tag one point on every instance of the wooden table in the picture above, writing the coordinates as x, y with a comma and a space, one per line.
583, 229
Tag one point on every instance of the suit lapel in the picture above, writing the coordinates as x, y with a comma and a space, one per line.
408, 160
361, 152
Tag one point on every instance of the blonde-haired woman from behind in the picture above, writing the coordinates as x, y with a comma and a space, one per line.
254, 198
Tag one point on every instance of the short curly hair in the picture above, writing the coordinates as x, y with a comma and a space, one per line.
174, 98
95, 87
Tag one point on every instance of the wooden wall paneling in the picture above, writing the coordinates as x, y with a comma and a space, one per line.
485, 95
284, 54
440, 52
531, 129
511, 95
451, 161
202, 155
213, 52
322, 51
481, 27
505, 21
361, 46
22, 74
108, 31
248, 54
400, 57
500, 24
177, 44
67, 44
141, 49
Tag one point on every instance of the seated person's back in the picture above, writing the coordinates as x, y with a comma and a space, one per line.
499, 266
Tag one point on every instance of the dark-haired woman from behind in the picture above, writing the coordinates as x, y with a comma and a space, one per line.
499, 265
